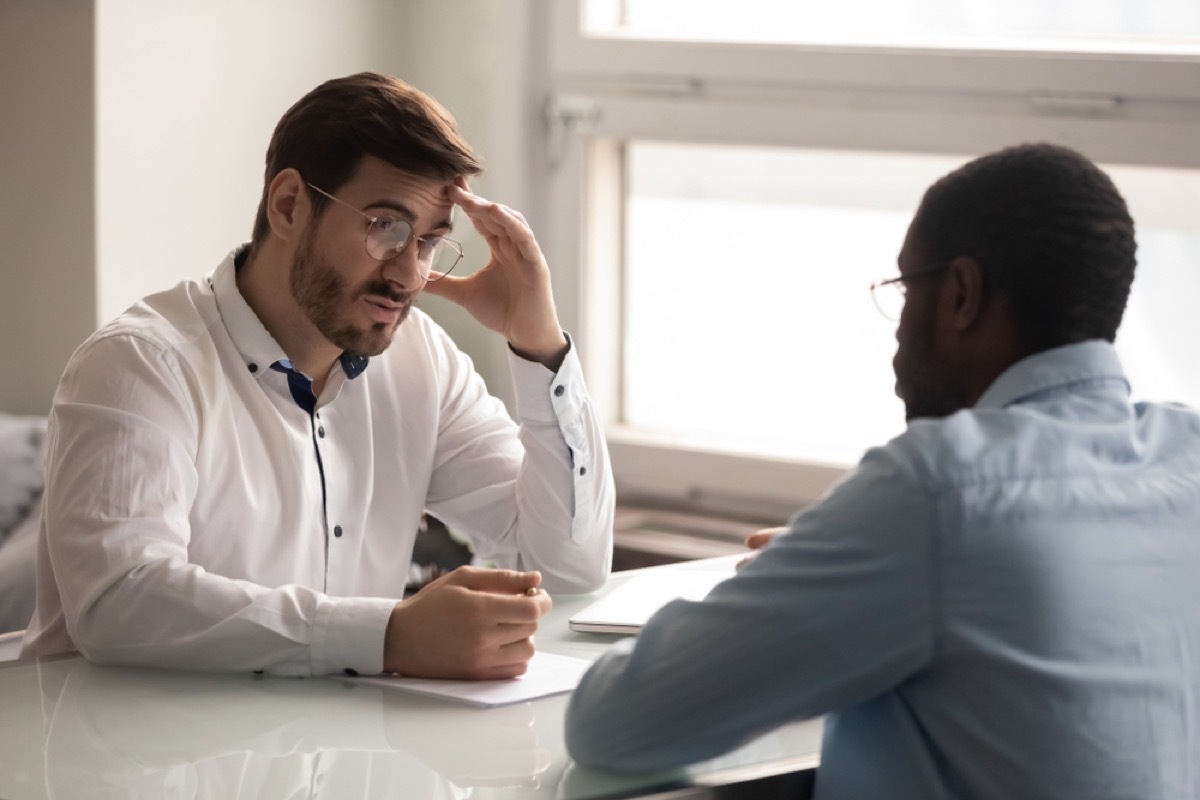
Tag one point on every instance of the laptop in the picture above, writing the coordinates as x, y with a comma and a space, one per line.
627, 608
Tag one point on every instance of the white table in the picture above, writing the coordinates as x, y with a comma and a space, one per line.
72, 729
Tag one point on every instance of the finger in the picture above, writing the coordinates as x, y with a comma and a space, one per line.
519, 231
760, 538
503, 581
484, 225
502, 672
516, 652
508, 661
514, 608
509, 632
446, 286
481, 212
497, 218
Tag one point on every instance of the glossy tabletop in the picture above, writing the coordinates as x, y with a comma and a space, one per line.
71, 729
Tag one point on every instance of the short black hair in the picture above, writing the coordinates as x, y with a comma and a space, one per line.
1051, 232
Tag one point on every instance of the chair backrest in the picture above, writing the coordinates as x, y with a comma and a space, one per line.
10, 645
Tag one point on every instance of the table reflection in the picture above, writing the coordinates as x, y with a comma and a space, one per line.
146, 733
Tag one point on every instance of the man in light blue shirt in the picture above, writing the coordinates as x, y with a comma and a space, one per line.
1002, 602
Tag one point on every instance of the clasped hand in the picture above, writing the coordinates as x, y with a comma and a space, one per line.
470, 624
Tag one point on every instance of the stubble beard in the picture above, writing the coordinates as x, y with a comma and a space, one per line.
928, 392
322, 294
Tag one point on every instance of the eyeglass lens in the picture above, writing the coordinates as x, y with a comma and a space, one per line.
889, 298
388, 236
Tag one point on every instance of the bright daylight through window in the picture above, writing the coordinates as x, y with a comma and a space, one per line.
754, 272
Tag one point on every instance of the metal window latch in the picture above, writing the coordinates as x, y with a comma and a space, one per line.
565, 116
1077, 105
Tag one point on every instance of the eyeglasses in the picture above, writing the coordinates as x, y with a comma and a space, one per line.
387, 237
889, 294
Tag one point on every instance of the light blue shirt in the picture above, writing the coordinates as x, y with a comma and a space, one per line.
1003, 603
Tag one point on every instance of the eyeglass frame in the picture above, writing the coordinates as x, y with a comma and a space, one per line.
900, 282
454, 243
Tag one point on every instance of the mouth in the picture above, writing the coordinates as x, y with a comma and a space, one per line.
384, 310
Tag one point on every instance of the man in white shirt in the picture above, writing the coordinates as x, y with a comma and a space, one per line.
238, 466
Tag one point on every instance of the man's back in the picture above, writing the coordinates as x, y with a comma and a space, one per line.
998, 604
1066, 654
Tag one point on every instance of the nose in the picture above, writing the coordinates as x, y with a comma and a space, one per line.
403, 269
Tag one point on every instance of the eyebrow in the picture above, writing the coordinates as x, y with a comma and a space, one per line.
407, 213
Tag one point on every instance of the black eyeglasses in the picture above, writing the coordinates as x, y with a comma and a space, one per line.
890, 302
387, 237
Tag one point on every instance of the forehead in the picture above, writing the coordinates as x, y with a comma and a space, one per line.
378, 182
912, 252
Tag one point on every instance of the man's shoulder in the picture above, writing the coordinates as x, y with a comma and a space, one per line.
968, 445
176, 320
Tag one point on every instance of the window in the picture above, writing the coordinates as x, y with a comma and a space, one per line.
732, 185
1131, 25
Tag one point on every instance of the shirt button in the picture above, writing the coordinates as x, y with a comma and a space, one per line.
321, 431
252, 367
558, 390
583, 470
337, 531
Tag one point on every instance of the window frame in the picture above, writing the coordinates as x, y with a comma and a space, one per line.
1128, 108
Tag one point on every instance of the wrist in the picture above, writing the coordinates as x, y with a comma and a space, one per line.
395, 639
549, 354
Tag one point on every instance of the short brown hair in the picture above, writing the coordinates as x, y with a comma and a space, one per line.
328, 131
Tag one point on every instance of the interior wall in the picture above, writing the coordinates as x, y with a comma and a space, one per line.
47, 204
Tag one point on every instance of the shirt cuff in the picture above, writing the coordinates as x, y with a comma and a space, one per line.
348, 635
544, 396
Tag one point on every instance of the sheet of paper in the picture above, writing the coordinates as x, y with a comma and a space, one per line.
548, 674
628, 607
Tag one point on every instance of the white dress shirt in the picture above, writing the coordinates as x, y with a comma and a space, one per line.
197, 517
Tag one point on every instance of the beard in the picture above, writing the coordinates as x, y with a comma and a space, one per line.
921, 382
324, 297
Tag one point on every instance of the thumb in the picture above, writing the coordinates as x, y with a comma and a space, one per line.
500, 581
447, 286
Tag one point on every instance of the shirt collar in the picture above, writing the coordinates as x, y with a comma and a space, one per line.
257, 346
1093, 361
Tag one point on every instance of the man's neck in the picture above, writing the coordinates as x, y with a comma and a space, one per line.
264, 284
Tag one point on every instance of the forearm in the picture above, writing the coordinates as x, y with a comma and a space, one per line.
565, 494
538, 496
829, 614
159, 612
695, 687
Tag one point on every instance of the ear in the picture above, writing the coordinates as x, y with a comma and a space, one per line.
965, 289
288, 207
